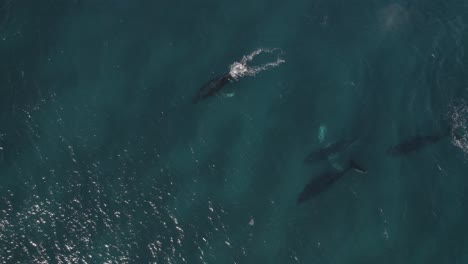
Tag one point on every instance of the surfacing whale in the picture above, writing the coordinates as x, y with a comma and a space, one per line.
328, 150
212, 87
323, 181
237, 70
415, 143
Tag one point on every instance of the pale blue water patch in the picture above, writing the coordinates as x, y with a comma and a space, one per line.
322, 133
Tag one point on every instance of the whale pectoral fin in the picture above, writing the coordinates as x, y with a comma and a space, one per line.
229, 95
353, 165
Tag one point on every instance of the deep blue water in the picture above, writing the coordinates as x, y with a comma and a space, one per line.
105, 159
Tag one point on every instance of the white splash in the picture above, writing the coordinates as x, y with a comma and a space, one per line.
241, 69
458, 115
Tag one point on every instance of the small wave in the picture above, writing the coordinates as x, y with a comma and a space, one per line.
241, 69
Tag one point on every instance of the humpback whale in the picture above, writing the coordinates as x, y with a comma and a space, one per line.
330, 149
237, 70
323, 181
212, 87
415, 143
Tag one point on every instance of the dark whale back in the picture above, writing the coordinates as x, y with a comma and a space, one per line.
414, 144
212, 87
325, 152
324, 181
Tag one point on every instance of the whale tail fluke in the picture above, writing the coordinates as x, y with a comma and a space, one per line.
353, 165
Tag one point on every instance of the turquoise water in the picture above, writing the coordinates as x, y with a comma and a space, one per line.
105, 159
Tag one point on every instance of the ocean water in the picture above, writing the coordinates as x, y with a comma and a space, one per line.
105, 159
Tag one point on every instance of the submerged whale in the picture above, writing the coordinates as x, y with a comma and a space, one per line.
323, 181
330, 149
212, 87
415, 143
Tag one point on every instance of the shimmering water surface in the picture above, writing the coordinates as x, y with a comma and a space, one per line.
105, 159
